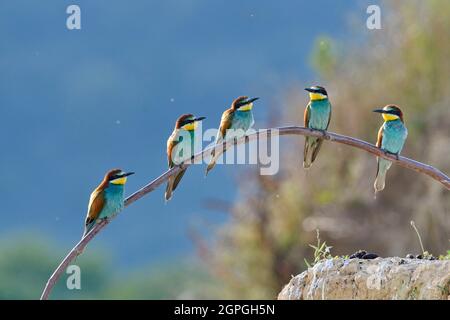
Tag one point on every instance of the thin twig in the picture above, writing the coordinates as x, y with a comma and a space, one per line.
265, 134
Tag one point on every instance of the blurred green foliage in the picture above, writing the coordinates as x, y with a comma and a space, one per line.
271, 225
323, 57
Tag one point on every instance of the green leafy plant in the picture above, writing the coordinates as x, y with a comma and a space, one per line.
321, 251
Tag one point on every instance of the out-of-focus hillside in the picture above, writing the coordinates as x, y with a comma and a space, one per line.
406, 63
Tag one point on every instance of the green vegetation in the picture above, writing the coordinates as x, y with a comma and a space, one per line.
321, 251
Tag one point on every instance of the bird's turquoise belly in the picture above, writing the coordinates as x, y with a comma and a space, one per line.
113, 201
319, 115
394, 136
242, 120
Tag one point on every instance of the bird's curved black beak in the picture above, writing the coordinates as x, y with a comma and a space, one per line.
126, 174
379, 111
251, 100
311, 90
199, 119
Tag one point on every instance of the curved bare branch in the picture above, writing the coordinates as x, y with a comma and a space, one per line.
264, 133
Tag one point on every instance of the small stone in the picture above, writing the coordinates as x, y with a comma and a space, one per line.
419, 256
409, 256
431, 258
370, 256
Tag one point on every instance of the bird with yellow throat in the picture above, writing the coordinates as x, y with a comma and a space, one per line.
391, 138
180, 147
317, 116
235, 122
107, 199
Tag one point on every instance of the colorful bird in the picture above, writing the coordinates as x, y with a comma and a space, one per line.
391, 138
180, 147
107, 199
238, 119
317, 116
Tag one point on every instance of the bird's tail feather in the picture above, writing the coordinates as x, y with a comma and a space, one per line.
169, 189
212, 162
312, 147
380, 180
215, 156
211, 165
88, 227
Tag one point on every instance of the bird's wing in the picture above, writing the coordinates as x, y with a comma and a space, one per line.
171, 143
306, 115
225, 122
96, 203
380, 137
378, 144
329, 118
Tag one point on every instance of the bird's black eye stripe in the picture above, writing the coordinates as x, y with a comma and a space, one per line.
116, 176
185, 122
241, 103
317, 89
394, 112
322, 91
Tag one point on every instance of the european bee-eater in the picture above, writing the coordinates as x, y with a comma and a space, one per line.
317, 116
239, 118
107, 199
180, 149
391, 138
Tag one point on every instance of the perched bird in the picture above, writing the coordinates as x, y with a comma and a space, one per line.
391, 138
238, 118
180, 147
317, 116
107, 199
